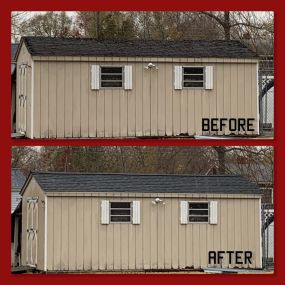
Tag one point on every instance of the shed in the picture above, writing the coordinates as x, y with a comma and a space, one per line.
85, 88
96, 222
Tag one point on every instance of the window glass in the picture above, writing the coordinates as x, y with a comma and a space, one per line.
120, 212
193, 77
111, 76
198, 212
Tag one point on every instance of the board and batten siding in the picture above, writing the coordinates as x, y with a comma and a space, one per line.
66, 106
76, 239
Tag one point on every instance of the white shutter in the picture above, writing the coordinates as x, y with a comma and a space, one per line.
95, 77
213, 212
178, 77
209, 77
184, 212
136, 212
105, 212
128, 69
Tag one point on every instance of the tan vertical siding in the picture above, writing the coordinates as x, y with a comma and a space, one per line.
76, 99
76, 239
37, 100
52, 95
84, 106
95, 233
131, 104
227, 93
44, 119
57, 214
174, 232
67, 107
138, 67
169, 78
146, 79
241, 92
234, 89
60, 100
68, 99
153, 236
92, 109
64, 257
219, 90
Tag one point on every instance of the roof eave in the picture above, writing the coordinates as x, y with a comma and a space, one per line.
26, 183
18, 49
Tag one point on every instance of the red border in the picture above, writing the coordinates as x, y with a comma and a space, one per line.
278, 142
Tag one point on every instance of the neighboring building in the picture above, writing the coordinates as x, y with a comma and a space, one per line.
85, 88
17, 181
90, 222
14, 48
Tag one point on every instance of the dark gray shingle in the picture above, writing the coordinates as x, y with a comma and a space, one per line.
143, 183
17, 181
47, 46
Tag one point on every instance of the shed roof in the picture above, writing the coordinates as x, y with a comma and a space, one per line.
47, 46
143, 183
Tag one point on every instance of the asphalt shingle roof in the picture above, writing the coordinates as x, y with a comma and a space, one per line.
143, 183
17, 181
47, 46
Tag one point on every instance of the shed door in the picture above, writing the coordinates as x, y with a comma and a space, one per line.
32, 230
22, 98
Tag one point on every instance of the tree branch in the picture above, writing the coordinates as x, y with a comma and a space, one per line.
211, 15
247, 25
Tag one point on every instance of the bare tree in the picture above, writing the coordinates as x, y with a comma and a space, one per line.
228, 20
17, 24
49, 24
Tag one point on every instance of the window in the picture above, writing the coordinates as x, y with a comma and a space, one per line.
120, 212
198, 212
193, 77
111, 76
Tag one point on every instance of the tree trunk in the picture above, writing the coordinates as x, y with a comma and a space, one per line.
221, 152
98, 28
227, 25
